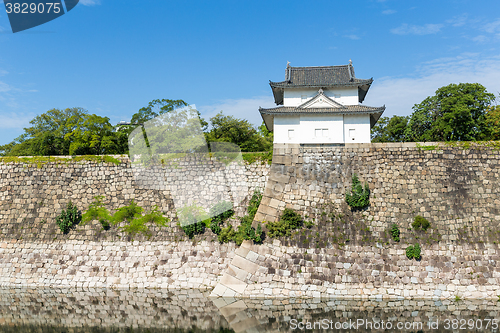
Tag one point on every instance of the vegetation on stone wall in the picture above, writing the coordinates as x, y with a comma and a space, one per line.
136, 223
359, 196
245, 231
395, 232
413, 252
288, 221
68, 218
420, 223
193, 220
40, 161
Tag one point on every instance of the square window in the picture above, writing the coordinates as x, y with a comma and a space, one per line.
325, 132
318, 132
291, 134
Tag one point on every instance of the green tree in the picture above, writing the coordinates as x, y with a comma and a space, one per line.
67, 132
238, 131
455, 113
94, 135
492, 131
155, 108
390, 129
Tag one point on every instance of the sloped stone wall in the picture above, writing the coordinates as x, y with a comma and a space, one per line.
456, 188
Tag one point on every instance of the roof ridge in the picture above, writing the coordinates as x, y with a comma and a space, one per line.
292, 67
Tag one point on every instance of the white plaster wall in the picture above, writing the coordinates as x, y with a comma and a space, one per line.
305, 129
345, 96
348, 95
281, 126
360, 123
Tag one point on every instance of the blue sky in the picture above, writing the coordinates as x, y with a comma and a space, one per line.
113, 57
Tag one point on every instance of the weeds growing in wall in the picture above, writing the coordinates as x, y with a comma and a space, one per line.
245, 231
68, 218
135, 222
359, 196
219, 223
40, 161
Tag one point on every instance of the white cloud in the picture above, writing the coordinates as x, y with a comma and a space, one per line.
492, 27
4, 87
481, 39
15, 120
90, 2
353, 37
399, 94
427, 29
389, 12
245, 108
458, 21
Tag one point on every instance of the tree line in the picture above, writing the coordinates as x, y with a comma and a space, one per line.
457, 112
74, 131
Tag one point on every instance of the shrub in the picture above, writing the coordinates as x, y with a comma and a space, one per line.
288, 221
97, 211
227, 234
254, 203
245, 231
127, 213
359, 197
309, 224
395, 232
68, 218
193, 220
413, 252
220, 213
420, 223
131, 214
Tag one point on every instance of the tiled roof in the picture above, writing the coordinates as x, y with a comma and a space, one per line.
342, 110
322, 76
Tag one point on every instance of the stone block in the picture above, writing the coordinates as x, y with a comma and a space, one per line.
233, 283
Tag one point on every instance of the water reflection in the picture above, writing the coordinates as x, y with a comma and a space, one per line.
104, 310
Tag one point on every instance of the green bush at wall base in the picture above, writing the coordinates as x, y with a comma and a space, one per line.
68, 218
420, 223
413, 252
193, 229
395, 232
220, 213
245, 230
359, 197
132, 214
288, 221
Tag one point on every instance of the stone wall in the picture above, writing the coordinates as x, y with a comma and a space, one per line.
113, 264
456, 188
31, 195
344, 253
274, 270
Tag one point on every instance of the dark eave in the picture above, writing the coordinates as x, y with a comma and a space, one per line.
269, 114
344, 110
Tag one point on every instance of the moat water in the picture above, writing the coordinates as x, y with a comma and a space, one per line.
106, 310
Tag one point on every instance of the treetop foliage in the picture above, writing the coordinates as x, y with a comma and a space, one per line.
74, 131
457, 112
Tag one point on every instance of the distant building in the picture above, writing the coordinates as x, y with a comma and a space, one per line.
318, 105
